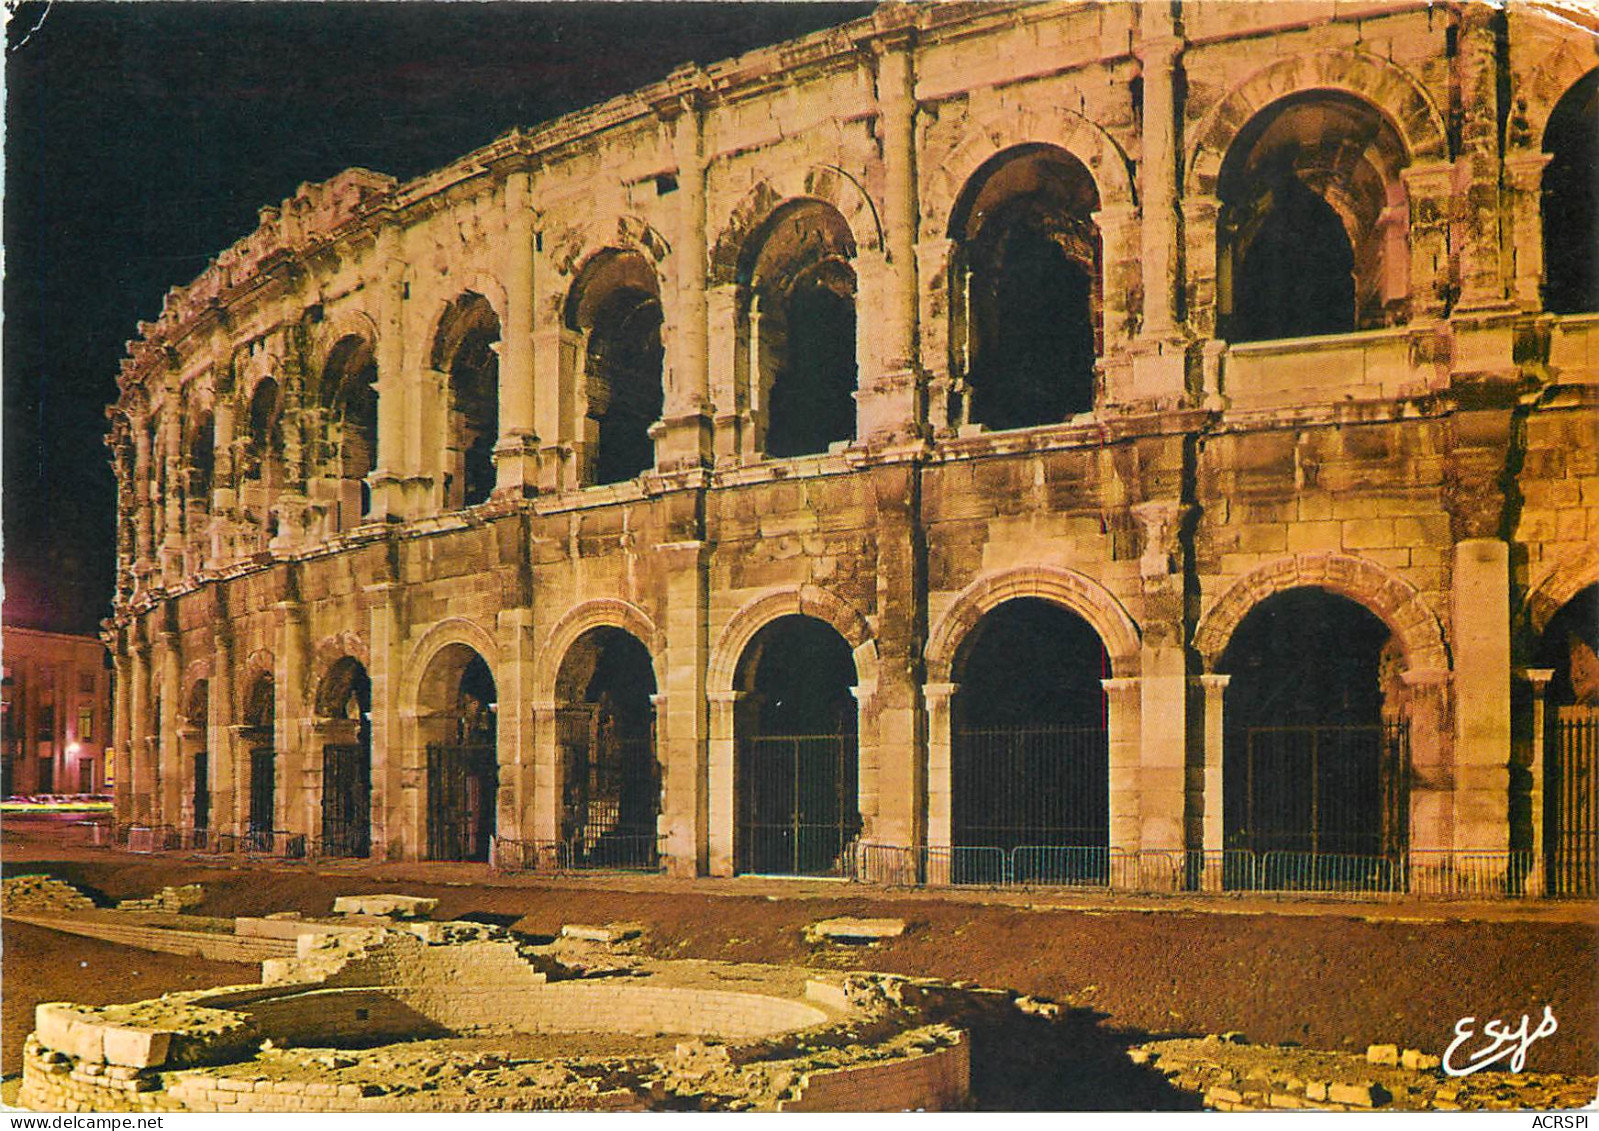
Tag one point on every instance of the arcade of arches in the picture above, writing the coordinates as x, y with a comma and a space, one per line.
1043, 443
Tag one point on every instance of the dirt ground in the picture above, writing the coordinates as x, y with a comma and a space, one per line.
1338, 979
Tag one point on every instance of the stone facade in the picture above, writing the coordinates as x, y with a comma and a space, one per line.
583, 387
57, 713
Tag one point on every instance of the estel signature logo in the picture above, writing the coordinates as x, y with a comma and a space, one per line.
1503, 1042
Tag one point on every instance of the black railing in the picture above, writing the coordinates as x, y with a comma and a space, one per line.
798, 812
1572, 816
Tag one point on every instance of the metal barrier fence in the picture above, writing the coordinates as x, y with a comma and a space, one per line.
1440, 873
1573, 798
616, 853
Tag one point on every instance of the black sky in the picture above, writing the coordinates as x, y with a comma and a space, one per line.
141, 138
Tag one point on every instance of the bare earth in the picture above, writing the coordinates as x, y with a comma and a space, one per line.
1338, 978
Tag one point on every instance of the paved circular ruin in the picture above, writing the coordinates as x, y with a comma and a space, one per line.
422, 1016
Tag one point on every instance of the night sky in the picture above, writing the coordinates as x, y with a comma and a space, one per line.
142, 138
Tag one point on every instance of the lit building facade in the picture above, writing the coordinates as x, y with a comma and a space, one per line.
57, 709
1136, 444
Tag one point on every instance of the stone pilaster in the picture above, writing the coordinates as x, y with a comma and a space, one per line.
1539, 679
390, 833
516, 452
890, 406
1163, 682
1476, 237
393, 464
139, 771
514, 725
1524, 172
683, 438
169, 767
695, 749
894, 779
122, 669
224, 755
1480, 634
1126, 811
1212, 798
297, 789
1159, 48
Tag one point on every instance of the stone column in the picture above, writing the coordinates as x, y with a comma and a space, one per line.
1199, 254
1539, 679
935, 272
224, 485
514, 726
683, 438
297, 791
939, 698
894, 779
696, 761
1163, 686
516, 453
727, 362
140, 777
1476, 237
1212, 796
145, 528
1122, 702
719, 789
1428, 189
1480, 624
1158, 49
220, 742
387, 479
545, 795
1432, 774
1525, 172
169, 767
172, 539
122, 794
890, 407
384, 601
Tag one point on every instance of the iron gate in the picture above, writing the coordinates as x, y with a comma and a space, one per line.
1573, 802
202, 790
263, 797
610, 795
461, 789
1043, 789
1316, 796
346, 800
797, 810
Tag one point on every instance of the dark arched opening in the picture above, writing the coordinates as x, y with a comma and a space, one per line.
1571, 201
466, 350
610, 779
1030, 756
617, 303
259, 714
1295, 270
344, 724
1311, 232
462, 760
1315, 773
1570, 648
796, 777
1026, 307
350, 387
801, 319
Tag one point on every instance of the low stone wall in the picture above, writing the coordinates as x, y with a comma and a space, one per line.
194, 944
303, 1038
936, 1081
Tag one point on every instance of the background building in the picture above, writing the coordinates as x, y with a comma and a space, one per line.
1099, 444
57, 713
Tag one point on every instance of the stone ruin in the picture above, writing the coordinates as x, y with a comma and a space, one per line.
390, 1012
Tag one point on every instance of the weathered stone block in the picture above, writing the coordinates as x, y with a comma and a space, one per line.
855, 930
385, 906
1366, 1095
137, 1048
1382, 1054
